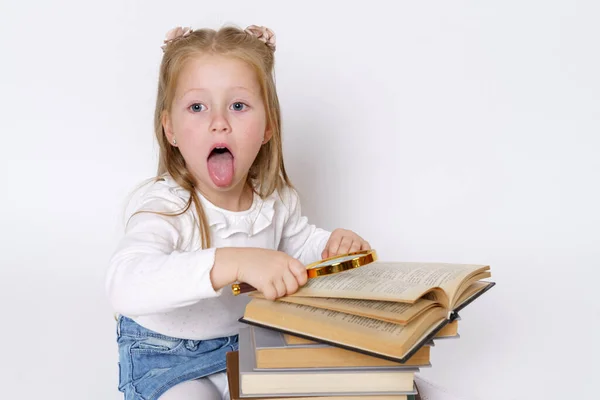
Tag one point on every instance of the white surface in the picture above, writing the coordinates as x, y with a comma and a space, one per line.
471, 130
430, 391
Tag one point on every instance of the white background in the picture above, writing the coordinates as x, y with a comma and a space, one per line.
455, 131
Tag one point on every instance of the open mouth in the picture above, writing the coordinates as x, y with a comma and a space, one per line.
220, 165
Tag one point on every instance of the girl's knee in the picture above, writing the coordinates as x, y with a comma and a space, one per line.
193, 390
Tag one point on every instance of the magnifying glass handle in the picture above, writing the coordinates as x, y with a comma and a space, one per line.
239, 288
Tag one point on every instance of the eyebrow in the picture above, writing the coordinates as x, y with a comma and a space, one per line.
204, 89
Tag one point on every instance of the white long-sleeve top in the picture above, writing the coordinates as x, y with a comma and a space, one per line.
160, 276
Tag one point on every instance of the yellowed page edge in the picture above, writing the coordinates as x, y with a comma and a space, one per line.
395, 312
379, 337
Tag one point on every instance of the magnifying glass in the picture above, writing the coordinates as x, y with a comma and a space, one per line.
327, 266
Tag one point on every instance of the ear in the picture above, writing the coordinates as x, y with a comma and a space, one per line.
268, 135
167, 126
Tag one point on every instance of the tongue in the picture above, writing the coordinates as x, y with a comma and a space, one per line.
220, 168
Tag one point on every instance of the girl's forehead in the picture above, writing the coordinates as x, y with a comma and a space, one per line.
215, 71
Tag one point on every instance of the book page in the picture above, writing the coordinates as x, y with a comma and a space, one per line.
450, 330
391, 281
381, 337
447, 276
294, 340
465, 284
471, 290
389, 311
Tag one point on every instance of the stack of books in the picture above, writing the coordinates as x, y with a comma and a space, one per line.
359, 334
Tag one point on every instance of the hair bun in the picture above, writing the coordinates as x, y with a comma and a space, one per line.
175, 34
263, 34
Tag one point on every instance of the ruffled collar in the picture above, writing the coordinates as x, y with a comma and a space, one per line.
225, 223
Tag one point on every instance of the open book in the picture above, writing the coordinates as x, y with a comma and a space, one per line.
384, 309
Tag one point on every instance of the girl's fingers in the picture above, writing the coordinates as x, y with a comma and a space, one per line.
280, 287
333, 247
299, 271
343, 242
269, 291
291, 284
345, 245
356, 246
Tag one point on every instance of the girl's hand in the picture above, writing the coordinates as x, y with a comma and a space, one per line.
273, 273
343, 241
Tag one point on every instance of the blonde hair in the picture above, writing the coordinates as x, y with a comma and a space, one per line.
267, 172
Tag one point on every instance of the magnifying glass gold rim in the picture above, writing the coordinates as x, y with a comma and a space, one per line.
360, 258
348, 261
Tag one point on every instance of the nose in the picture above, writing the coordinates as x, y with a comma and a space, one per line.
219, 123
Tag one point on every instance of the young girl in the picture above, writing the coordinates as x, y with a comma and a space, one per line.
221, 210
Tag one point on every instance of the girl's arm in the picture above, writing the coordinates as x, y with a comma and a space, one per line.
309, 243
300, 239
148, 273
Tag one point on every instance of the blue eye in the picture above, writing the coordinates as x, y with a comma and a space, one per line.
196, 107
238, 106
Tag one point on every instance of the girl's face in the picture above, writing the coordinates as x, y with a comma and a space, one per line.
218, 120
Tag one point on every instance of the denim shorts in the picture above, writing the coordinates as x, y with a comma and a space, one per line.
151, 363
